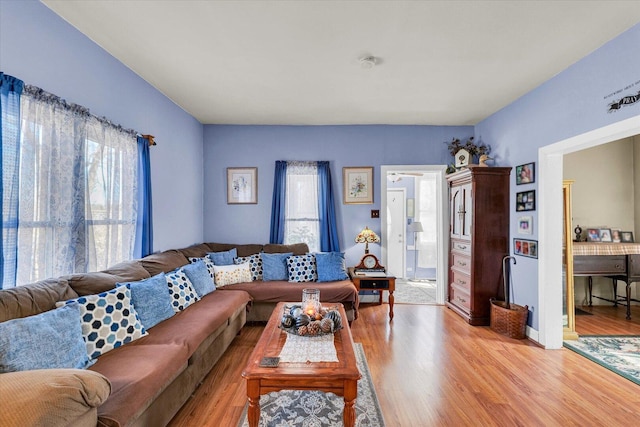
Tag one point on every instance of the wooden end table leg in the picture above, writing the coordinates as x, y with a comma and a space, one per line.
590, 281
391, 300
253, 395
615, 292
629, 300
350, 394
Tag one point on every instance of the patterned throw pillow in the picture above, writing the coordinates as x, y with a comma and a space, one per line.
274, 266
180, 290
231, 274
302, 268
223, 258
255, 264
331, 266
208, 263
48, 340
108, 320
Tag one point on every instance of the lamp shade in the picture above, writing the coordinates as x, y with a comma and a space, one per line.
367, 236
416, 227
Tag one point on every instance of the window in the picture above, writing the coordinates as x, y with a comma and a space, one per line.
77, 192
302, 223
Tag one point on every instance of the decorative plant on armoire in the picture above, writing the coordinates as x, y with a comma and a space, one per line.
466, 153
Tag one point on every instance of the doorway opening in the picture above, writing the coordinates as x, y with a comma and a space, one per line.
414, 217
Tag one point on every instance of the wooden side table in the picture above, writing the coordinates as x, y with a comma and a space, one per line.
380, 283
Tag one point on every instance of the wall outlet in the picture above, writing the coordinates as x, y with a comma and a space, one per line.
375, 213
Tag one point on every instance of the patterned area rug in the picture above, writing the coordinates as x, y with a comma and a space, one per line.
418, 292
314, 408
618, 353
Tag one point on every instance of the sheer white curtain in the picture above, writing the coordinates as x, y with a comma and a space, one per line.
302, 223
77, 190
426, 213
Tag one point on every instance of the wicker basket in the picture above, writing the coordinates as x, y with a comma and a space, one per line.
511, 321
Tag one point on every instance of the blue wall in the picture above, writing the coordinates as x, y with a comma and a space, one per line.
261, 146
574, 102
39, 47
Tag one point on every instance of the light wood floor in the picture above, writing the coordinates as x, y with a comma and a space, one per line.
430, 368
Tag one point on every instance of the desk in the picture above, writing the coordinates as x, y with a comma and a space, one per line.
380, 283
617, 261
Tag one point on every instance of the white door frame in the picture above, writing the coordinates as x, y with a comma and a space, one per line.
403, 267
442, 218
550, 158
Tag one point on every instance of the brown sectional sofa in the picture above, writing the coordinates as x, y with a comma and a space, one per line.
145, 382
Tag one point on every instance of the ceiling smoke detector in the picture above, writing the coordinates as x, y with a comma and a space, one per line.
368, 61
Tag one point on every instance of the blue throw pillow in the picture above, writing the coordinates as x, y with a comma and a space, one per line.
151, 300
223, 258
331, 266
52, 339
274, 266
198, 273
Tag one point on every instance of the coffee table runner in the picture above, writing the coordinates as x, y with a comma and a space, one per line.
302, 349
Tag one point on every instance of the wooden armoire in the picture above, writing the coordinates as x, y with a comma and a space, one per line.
479, 239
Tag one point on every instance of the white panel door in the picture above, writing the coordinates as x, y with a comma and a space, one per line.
396, 230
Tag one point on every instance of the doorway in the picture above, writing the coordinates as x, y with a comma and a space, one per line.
399, 251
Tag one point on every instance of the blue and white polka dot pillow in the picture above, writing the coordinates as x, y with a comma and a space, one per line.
302, 268
108, 320
181, 290
255, 265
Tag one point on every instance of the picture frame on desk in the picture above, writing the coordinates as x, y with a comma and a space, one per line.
593, 234
605, 235
626, 236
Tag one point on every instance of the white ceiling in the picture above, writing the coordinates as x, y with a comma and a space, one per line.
296, 62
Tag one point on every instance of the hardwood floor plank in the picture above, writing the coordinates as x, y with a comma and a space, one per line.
430, 368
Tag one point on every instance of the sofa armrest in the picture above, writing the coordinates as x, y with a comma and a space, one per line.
52, 397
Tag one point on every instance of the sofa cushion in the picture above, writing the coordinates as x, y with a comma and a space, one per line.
108, 320
151, 300
243, 250
163, 262
200, 319
47, 340
35, 298
230, 274
274, 266
200, 278
181, 290
255, 265
302, 268
52, 397
295, 248
138, 373
197, 251
331, 266
102, 281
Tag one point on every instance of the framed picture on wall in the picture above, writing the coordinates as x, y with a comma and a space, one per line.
525, 225
526, 201
524, 247
357, 185
242, 186
526, 174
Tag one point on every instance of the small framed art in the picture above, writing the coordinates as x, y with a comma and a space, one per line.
526, 174
525, 225
524, 247
526, 201
242, 186
626, 236
593, 234
605, 235
357, 185
615, 235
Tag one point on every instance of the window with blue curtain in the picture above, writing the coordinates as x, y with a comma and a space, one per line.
303, 208
82, 192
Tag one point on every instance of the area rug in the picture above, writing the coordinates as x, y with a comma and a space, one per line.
618, 353
418, 292
315, 408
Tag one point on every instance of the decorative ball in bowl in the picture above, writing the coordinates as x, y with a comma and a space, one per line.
325, 321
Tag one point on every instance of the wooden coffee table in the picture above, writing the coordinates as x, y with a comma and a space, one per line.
339, 377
